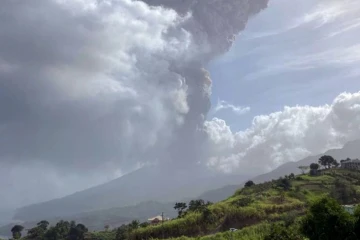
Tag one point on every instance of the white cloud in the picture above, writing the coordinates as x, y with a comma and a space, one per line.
223, 105
288, 135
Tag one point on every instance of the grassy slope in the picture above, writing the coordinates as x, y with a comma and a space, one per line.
269, 205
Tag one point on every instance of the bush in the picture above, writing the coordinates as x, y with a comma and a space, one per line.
249, 184
326, 219
244, 202
280, 232
289, 218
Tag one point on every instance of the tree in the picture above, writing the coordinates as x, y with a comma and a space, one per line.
135, 224
303, 169
327, 220
37, 232
180, 207
314, 169
327, 161
43, 224
284, 184
207, 216
107, 227
344, 192
314, 166
198, 205
16, 231
52, 234
292, 176
249, 184
280, 232
61, 229
77, 232
122, 232
144, 224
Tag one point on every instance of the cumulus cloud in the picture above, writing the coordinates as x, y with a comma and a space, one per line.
288, 135
223, 105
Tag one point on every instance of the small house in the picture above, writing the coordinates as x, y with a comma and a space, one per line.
158, 219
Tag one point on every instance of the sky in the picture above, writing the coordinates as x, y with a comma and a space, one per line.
91, 90
306, 55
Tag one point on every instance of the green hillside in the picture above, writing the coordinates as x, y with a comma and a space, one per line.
252, 210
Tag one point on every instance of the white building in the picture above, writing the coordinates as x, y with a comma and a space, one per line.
351, 164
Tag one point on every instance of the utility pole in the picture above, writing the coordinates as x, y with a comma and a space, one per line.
162, 224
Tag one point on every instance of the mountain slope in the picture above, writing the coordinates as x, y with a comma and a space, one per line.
271, 201
146, 184
351, 150
114, 217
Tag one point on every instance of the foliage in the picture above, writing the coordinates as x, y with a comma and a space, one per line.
281, 232
198, 205
327, 161
249, 184
344, 192
180, 207
16, 231
144, 224
314, 166
327, 220
122, 232
135, 224
250, 210
244, 202
284, 184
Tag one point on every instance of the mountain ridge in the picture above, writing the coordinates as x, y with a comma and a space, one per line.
214, 187
350, 149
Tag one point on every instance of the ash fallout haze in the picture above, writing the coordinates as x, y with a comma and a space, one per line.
117, 95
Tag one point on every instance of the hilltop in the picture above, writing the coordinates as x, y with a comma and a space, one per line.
350, 149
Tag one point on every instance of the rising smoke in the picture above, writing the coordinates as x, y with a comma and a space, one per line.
104, 87
214, 24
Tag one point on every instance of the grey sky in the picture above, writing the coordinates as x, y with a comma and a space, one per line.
91, 91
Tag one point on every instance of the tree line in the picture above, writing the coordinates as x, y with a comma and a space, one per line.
63, 230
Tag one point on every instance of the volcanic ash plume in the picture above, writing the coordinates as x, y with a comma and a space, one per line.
213, 25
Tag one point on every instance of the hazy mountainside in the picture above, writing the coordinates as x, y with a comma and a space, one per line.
351, 150
136, 187
114, 217
283, 199
132, 189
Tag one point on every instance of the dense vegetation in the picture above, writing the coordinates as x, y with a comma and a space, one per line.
301, 207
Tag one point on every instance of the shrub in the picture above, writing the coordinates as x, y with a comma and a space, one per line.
280, 232
244, 202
